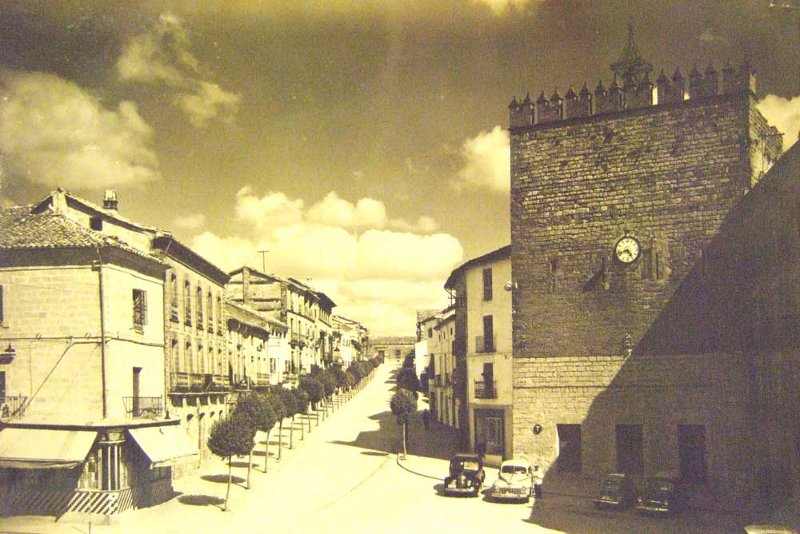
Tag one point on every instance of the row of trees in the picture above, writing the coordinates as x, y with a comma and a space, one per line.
262, 410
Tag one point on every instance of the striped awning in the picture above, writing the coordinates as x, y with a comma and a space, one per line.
38, 448
163, 443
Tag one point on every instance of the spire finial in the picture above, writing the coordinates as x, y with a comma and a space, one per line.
631, 67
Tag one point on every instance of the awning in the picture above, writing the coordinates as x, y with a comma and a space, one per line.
162, 443
37, 448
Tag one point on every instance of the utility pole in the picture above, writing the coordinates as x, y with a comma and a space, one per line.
263, 260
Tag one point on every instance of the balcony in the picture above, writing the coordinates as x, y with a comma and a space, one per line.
147, 407
485, 390
198, 383
484, 344
12, 407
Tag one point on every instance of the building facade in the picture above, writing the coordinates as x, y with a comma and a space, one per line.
481, 288
616, 200
82, 377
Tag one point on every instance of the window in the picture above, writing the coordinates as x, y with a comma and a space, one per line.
569, 448
219, 315
487, 284
199, 307
430, 332
488, 333
139, 309
96, 223
209, 311
630, 458
173, 297
187, 303
2, 314
692, 453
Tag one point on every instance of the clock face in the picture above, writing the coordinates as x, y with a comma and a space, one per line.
627, 249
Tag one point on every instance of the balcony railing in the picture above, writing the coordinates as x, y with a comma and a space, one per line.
150, 407
483, 344
198, 382
485, 390
12, 407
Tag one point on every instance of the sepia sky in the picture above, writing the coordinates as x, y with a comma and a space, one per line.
361, 142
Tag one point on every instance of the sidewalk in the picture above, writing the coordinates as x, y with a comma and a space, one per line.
199, 496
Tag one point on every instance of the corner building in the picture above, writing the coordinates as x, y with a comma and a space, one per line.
623, 359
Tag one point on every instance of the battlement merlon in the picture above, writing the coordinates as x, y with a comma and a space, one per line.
629, 95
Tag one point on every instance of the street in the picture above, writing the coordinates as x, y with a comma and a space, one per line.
345, 476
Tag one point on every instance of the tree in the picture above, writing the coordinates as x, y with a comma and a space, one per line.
349, 380
231, 437
403, 404
301, 398
291, 407
407, 379
274, 399
257, 412
315, 390
329, 384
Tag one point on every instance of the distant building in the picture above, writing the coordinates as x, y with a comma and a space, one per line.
85, 425
396, 347
482, 350
648, 335
305, 312
350, 341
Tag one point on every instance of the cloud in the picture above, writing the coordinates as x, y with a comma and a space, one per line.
335, 211
784, 114
424, 225
161, 56
499, 7
375, 275
190, 222
486, 161
54, 132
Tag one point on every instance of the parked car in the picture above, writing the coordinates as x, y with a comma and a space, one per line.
514, 481
663, 494
617, 491
466, 475
768, 529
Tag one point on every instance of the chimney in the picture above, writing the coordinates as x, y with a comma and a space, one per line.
110, 200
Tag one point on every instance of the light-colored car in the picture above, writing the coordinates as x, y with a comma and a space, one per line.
514, 482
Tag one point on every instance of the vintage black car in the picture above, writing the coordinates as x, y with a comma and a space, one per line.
663, 494
466, 475
617, 491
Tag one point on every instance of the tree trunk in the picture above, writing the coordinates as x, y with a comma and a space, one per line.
404, 438
291, 434
280, 438
228, 491
249, 466
266, 451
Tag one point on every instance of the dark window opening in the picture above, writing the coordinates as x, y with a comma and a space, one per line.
569, 448
487, 284
630, 457
692, 453
2, 314
96, 223
488, 333
139, 309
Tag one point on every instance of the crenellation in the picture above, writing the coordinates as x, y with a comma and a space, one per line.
631, 95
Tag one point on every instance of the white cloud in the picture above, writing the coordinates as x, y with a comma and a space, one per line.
332, 210
53, 132
162, 56
784, 114
423, 225
486, 161
377, 276
194, 221
499, 7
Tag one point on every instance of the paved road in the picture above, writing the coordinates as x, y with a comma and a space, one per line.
345, 477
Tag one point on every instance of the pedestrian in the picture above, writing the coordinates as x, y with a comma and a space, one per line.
538, 478
426, 418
